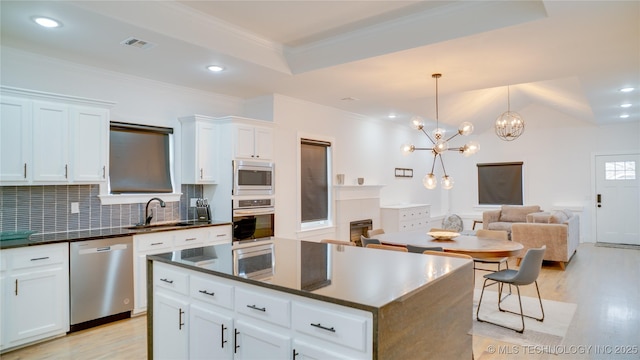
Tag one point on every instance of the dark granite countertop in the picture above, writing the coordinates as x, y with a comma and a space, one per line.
80, 235
347, 275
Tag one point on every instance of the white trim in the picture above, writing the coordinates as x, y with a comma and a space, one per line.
42, 95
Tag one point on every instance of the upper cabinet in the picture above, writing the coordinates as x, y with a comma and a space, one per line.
199, 150
58, 140
253, 142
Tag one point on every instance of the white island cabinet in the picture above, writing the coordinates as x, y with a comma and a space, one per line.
323, 301
35, 294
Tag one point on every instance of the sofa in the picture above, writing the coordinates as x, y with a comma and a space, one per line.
506, 216
559, 230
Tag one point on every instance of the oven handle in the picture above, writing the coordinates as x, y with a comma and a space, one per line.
254, 212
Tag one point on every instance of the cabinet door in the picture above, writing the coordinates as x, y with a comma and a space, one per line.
253, 342
244, 142
305, 351
36, 301
210, 334
206, 151
263, 143
90, 137
50, 142
170, 321
15, 140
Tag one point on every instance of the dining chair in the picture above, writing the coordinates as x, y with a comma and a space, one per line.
448, 254
526, 275
366, 241
337, 242
374, 232
421, 249
491, 234
387, 247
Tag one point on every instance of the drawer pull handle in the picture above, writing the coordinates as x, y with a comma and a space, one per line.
263, 309
295, 353
167, 281
25, 170
319, 326
16, 287
223, 341
235, 341
40, 258
154, 244
206, 293
190, 239
221, 235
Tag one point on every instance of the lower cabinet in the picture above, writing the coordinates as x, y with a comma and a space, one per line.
35, 294
226, 319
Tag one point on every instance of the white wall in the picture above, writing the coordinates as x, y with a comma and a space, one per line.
368, 148
557, 152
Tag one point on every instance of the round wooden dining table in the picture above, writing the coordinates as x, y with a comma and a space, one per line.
476, 247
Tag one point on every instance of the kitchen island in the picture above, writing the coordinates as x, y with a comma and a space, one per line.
322, 301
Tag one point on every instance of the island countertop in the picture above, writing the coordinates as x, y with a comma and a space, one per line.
352, 276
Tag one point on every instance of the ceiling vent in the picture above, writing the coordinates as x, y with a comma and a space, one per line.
138, 43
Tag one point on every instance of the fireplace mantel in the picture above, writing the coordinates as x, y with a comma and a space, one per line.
353, 192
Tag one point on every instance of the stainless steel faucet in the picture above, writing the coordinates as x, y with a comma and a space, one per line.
148, 217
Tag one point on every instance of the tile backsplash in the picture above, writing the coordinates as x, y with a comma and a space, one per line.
47, 209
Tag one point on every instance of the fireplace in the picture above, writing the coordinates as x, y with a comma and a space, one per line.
357, 228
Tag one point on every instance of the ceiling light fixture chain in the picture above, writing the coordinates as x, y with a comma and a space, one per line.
440, 145
509, 125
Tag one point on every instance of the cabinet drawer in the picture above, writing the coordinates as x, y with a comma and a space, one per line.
34, 256
167, 278
219, 234
413, 213
262, 306
342, 328
414, 225
189, 238
211, 291
162, 240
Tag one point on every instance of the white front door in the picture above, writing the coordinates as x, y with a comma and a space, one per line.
618, 199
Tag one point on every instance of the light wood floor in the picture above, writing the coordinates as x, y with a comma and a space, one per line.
604, 282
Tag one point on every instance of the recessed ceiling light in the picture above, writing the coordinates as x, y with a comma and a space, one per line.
392, 116
624, 116
625, 105
215, 68
349, 98
627, 89
46, 22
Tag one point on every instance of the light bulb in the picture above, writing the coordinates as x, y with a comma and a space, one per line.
438, 133
466, 128
407, 148
470, 148
429, 181
440, 146
417, 123
447, 182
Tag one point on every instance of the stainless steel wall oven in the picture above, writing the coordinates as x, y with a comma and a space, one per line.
253, 219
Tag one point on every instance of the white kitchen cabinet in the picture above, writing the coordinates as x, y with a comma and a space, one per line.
405, 217
199, 149
35, 286
256, 342
60, 140
50, 142
253, 142
90, 144
210, 333
15, 140
169, 325
166, 241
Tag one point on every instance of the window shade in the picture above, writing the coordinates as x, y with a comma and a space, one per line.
314, 180
139, 159
500, 184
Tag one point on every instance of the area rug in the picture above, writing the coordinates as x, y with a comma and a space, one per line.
550, 332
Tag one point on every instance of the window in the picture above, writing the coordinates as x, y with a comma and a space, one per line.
315, 167
500, 184
139, 159
620, 170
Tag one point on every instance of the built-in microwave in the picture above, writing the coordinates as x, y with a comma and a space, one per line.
253, 178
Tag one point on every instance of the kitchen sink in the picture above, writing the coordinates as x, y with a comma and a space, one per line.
159, 226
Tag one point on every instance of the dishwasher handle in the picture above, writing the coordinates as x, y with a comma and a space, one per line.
102, 249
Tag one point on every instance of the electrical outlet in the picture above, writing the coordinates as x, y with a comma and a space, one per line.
193, 201
75, 208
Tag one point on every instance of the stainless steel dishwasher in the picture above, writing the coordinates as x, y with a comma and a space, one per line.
100, 281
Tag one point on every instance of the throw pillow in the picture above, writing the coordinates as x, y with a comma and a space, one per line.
558, 217
512, 213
